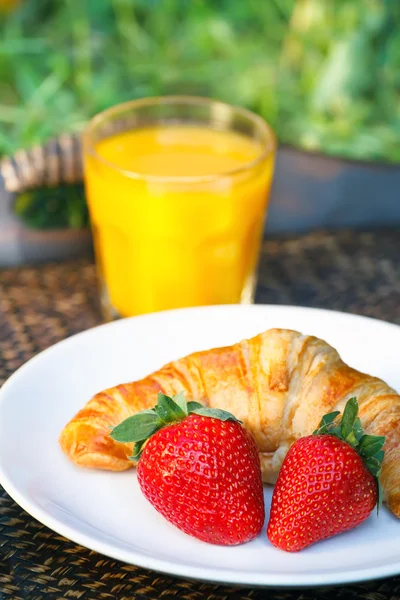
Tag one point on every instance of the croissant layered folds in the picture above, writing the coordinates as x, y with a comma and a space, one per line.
279, 383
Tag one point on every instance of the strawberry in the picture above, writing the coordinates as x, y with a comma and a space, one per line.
328, 483
199, 468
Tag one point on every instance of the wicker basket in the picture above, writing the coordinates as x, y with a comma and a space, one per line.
56, 162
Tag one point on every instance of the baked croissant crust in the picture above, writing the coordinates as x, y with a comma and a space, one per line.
279, 383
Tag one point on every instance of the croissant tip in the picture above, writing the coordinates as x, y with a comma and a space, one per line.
394, 503
62, 441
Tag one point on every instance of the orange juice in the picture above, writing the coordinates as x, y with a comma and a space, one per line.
177, 217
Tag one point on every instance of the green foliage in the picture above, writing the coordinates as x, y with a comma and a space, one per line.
340, 85
325, 74
62, 62
53, 208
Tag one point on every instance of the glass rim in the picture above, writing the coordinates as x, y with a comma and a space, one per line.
268, 147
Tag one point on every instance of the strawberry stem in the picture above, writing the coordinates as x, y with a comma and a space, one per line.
349, 429
168, 410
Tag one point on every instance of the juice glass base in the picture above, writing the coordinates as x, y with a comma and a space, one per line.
110, 313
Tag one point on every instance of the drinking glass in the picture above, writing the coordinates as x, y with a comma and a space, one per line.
177, 189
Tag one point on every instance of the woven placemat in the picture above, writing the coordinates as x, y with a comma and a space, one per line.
354, 272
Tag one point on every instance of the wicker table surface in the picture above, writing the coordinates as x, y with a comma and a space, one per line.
39, 305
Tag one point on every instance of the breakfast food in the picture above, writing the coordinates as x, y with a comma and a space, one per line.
328, 483
279, 384
199, 468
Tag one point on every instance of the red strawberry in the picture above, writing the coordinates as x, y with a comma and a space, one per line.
328, 483
199, 468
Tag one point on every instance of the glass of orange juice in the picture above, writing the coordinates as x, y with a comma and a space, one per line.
177, 189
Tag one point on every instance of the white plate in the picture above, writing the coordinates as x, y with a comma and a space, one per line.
106, 511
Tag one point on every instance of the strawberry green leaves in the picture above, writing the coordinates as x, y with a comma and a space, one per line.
168, 410
216, 413
193, 405
371, 446
137, 450
349, 429
350, 425
327, 423
180, 400
137, 428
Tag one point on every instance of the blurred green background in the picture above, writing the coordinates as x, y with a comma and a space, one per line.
62, 62
325, 73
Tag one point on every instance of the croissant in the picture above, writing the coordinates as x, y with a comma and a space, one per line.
279, 383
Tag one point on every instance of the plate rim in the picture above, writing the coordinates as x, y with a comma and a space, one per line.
171, 568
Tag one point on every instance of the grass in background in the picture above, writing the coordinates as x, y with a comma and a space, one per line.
62, 62
339, 88
325, 74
